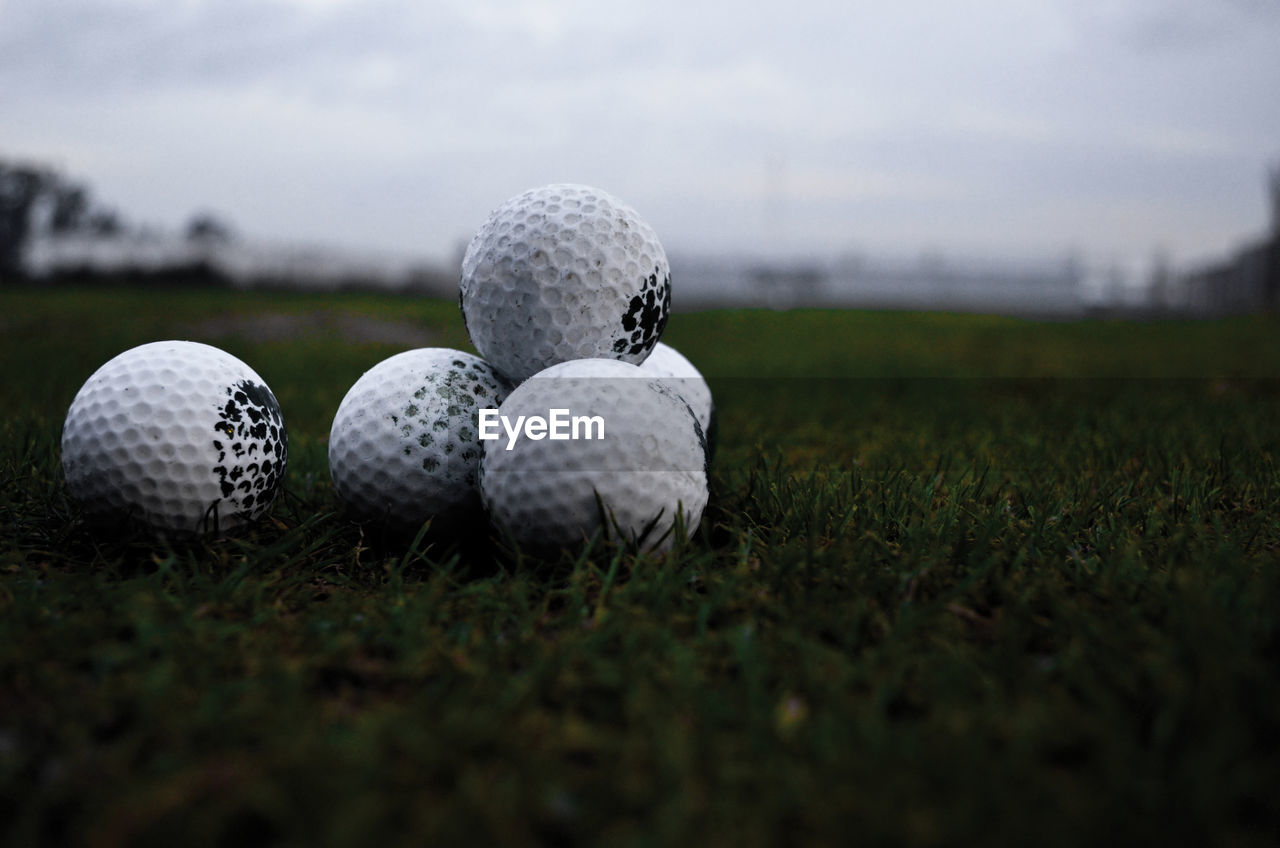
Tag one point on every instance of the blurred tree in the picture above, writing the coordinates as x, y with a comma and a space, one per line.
36, 199
21, 188
1273, 188
105, 223
207, 227
1160, 282
1272, 256
70, 209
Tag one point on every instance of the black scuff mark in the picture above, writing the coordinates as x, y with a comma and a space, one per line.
646, 316
253, 464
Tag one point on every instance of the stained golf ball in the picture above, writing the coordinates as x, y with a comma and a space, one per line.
629, 476
563, 272
180, 435
403, 446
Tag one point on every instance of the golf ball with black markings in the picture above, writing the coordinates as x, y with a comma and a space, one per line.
563, 272
595, 446
403, 447
179, 435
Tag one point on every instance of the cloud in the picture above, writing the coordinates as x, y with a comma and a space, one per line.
1187, 26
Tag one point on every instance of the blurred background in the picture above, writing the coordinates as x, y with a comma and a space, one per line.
1065, 157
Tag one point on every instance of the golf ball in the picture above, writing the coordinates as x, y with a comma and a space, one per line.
563, 272
181, 435
670, 365
403, 446
629, 476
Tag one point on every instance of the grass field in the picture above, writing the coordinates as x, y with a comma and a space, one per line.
963, 580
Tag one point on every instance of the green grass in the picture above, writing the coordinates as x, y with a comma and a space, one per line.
962, 580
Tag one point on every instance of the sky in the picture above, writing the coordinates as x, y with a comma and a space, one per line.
1109, 130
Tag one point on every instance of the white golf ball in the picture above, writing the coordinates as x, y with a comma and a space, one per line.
555, 492
675, 370
563, 272
404, 447
181, 435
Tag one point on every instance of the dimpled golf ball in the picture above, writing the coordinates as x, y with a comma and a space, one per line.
563, 272
180, 435
404, 447
627, 477
676, 371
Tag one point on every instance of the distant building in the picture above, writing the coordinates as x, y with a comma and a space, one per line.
924, 283
1243, 283
1249, 281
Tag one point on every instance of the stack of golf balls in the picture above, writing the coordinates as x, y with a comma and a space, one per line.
565, 292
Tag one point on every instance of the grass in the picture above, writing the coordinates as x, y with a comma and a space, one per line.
962, 580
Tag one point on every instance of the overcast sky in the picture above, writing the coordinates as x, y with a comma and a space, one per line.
979, 127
